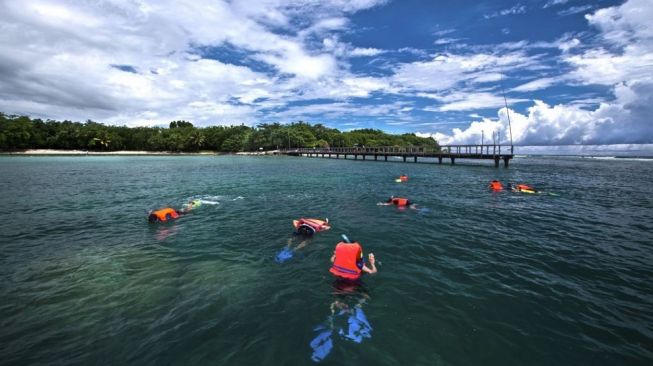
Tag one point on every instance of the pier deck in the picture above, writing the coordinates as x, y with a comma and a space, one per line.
451, 152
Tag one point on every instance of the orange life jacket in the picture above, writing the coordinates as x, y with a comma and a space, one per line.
524, 186
403, 178
401, 202
348, 263
495, 185
165, 213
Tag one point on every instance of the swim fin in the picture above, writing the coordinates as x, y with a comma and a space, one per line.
359, 327
284, 255
321, 344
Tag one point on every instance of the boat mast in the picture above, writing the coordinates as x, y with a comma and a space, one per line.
505, 101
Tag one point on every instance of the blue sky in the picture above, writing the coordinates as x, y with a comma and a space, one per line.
572, 71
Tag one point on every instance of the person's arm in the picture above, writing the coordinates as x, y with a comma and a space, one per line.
333, 257
372, 264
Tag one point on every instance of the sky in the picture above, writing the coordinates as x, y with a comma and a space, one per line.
571, 72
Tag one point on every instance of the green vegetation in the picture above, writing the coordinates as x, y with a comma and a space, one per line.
20, 132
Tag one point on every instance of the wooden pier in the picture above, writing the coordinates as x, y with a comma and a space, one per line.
451, 152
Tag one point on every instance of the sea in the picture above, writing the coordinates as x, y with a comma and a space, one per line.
466, 277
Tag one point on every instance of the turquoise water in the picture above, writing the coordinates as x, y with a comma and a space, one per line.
479, 278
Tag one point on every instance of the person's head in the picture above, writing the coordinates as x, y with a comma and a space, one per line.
152, 217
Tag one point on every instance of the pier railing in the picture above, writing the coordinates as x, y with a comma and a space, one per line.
489, 150
494, 152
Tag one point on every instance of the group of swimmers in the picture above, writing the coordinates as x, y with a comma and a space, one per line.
347, 259
496, 186
400, 202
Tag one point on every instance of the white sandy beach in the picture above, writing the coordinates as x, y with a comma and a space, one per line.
123, 152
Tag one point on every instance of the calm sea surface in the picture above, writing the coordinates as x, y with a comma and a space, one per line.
471, 278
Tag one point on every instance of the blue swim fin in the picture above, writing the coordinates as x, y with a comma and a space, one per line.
321, 344
284, 255
366, 328
359, 327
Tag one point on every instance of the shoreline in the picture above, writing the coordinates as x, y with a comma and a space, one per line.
53, 152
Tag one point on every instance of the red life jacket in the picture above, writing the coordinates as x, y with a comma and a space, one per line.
524, 186
495, 185
401, 202
165, 213
317, 226
403, 178
349, 261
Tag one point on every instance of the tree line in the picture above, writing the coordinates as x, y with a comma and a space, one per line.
22, 132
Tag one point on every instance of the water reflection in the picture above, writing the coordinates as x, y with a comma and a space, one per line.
346, 320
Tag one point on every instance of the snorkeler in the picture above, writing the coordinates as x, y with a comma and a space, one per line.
348, 262
304, 228
524, 188
308, 227
495, 186
164, 214
191, 205
399, 202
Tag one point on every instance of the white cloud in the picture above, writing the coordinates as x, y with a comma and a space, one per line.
443, 32
625, 23
626, 120
566, 45
626, 27
445, 71
219, 61
467, 101
516, 9
442, 41
365, 52
337, 109
575, 10
551, 3
627, 67
537, 84
59, 65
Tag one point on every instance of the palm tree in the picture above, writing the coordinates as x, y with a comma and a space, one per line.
196, 139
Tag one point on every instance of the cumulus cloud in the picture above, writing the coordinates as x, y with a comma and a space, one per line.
58, 58
626, 67
626, 120
233, 61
